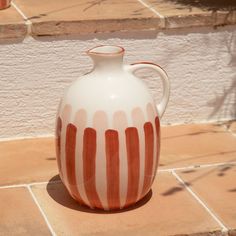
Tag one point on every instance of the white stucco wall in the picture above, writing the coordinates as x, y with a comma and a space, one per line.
201, 64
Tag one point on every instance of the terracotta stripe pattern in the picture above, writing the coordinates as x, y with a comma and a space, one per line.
58, 143
149, 148
70, 161
89, 166
132, 147
4, 4
112, 168
120, 171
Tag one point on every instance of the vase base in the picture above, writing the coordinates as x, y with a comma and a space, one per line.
128, 207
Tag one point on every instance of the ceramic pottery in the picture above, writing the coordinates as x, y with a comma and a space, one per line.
4, 4
108, 132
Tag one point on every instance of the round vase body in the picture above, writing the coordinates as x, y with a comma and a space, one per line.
107, 134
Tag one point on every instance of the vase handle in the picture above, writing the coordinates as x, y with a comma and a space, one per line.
161, 107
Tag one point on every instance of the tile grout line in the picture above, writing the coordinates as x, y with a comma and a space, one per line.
154, 11
195, 196
45, 182
41, 211
13, 186
28, 23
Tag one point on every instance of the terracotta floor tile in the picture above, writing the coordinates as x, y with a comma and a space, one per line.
19, 215
10, 15
232, 126
194, 13
25, 161
178, 14
185, 145
170, 211
232, 233
217, 188
11, 24
173, 8
83, 16
193, 129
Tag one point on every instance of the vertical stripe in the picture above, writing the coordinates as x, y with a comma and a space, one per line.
65, 117
120, 123
112, 167
132, 147
89, 166
3, 4
151, 112
149, 145
138, 120
70, 161
58, 144
157, 125
80, 122
100, 124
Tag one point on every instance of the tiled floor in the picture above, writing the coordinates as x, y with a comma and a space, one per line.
194, 192
27, 161
19, 214
217, 187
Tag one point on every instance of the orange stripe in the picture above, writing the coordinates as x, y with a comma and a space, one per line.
113, 175
70, 161
58, 143
149, 148
80, 121
132, 148
157, 124
89, 166
65, 117
3, 4
138, 119
100, 124
120, 123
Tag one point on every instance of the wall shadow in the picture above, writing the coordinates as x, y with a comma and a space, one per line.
224, 103
84, 7
50, 158
58, 192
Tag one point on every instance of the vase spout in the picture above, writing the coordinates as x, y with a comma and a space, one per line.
106, 57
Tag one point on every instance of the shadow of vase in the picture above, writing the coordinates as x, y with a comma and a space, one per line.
58, 192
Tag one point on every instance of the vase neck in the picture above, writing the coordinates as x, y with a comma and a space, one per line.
107, 58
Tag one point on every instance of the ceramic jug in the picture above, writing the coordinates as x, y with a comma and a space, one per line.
108, 132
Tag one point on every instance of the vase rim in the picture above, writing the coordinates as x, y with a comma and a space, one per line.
106, 50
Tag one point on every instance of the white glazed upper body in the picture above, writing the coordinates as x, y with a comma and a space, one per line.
109, 87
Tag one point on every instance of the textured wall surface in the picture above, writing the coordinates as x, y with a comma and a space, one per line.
200, 62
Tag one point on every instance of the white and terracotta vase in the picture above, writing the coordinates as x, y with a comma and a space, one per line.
4, 4
108, 132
